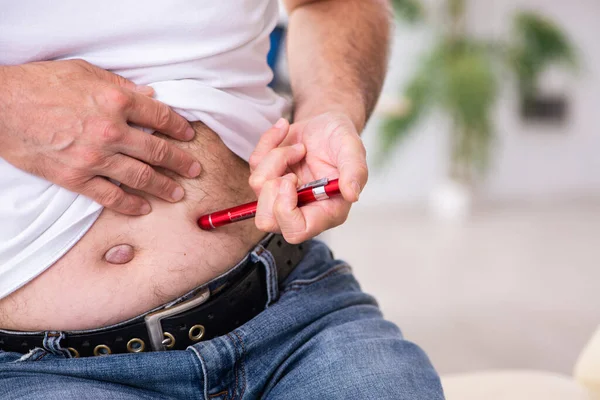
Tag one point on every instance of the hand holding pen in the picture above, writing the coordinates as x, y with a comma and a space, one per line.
322, 189
326, 145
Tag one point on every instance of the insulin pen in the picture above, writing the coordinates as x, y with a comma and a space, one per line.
313, 191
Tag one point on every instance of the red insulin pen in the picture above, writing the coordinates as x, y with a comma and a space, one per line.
313, 191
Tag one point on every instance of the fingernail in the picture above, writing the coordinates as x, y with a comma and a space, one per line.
281, 123
144, 89
145, 209
194, 170
190, 133
356, 188
177, 194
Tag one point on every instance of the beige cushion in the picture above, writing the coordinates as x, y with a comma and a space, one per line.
587, 369
513, 385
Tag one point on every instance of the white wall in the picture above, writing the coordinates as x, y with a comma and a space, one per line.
532, 162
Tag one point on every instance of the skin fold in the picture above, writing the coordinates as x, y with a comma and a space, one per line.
127, 264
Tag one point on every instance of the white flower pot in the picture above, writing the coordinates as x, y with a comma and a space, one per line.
451, 200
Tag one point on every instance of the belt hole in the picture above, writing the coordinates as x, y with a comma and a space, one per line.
74, 352
169, 341
102, 350
289, 263
196, 332
301, 247
279, 243
136, 345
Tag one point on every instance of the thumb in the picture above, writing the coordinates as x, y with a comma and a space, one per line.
268, 141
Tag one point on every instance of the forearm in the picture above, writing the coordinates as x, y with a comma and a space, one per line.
337, 51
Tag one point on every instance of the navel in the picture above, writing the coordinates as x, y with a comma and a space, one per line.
119, 254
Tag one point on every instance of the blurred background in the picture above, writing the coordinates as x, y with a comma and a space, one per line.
479, 230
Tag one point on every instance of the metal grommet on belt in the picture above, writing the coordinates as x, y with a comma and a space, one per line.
169, 341
135, 345
74, 352
210, 305
102, 350
196, 332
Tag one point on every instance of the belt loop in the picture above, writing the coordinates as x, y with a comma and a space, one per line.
52, 343
266, 258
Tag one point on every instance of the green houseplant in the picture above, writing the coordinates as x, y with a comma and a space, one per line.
459, 75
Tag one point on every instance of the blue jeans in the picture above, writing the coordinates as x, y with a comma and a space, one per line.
321, 338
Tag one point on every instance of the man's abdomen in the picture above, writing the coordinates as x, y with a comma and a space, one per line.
171, 255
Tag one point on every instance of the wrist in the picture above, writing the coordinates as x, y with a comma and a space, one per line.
308, 109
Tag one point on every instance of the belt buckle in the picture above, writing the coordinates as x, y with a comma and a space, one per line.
153, 320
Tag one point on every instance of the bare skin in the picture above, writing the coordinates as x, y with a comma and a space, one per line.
337, 54
127, 265
75, 118
156, 257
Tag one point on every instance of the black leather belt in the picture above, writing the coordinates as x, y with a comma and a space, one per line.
209, 313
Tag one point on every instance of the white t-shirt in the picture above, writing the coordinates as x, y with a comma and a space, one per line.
205, 59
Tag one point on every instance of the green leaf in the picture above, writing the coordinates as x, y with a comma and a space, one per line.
409, 10
468, 95
470, 86
459, 76
418, 95
539, 42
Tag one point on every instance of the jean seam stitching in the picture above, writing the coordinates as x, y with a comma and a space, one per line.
221, 393
233, 341
297, 285
274, 277
204, 372
243, 366
268, 262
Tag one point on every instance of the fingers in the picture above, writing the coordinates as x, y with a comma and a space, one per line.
147, 112
145, 90
300, 224
268, 141
143, 177
117, 79
113, 197
286, 213
277, 211
274, 164
265, 219
352, 165
159, 152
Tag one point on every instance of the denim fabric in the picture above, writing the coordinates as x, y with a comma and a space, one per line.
320, 338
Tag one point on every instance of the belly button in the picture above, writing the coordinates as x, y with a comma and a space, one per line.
120, 254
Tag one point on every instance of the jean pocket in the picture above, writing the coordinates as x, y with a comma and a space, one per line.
334, 269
